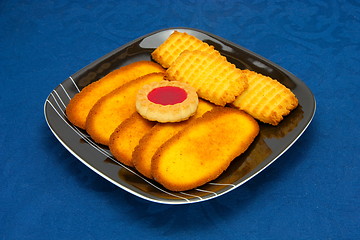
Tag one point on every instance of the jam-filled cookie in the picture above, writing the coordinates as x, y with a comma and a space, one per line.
167, 101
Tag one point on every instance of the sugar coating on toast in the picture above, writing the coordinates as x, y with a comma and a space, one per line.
112, 109
127, 136
158, 135
214, 78
265, 99
216, 138
79, 107
175, 44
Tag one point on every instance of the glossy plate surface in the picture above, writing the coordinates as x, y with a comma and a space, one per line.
271, 143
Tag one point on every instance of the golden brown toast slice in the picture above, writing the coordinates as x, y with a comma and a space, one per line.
112, 109
203, 150
158, 135
265, 99
79, 107
175, 44
127, 136
214, 78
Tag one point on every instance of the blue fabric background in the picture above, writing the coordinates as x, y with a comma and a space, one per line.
311, 192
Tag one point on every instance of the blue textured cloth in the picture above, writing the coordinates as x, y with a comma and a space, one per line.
310, 192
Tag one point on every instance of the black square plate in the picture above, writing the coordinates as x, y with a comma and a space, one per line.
271, 143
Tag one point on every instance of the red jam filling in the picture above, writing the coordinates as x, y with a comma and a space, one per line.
167, 95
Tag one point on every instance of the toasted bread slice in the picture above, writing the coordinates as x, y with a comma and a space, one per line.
112, 109
158, 135
203, 150
127, 136
80, 105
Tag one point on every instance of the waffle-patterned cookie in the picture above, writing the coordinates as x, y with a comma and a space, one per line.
214, 78
175, 44
265, 99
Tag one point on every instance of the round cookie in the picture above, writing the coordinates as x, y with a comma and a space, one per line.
167, 101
